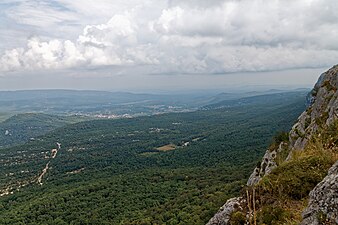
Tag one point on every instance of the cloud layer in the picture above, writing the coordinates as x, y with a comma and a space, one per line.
177, 37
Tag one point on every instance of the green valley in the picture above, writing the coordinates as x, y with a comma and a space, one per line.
111, 172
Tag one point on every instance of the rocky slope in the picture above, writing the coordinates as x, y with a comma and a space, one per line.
315, 135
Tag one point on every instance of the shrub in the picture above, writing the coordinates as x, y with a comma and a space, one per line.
271, 215
295, 179
238, 218
280, 137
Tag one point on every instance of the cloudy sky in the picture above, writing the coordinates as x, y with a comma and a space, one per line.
154, 44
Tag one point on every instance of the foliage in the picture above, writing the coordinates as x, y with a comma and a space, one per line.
280, 137
297, 178
238, 218
282, 194
272, 215
161, 196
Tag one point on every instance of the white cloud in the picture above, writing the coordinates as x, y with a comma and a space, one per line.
120, 29
184, 36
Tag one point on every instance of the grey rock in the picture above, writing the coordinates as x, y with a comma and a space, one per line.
222, 217
332, 109
323, 110
323, 200
266, 166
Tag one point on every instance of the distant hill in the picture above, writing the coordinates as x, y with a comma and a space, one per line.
258, 98
63, 101
223, 97
21, 128
94, 103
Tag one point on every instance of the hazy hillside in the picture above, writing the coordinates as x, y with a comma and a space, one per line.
94, 102
111, 104
21, 128
258, 99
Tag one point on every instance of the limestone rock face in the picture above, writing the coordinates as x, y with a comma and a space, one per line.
266, 166
222, 217
323, 204
323, 109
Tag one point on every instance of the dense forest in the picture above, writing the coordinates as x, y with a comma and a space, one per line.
120, 171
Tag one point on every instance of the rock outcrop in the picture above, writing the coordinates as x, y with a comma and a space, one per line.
222, 217
267, 165
321, 112
323, 203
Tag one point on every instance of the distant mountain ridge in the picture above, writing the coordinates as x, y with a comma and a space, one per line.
94, 103
256, 99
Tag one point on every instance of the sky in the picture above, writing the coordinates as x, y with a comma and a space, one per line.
165, 44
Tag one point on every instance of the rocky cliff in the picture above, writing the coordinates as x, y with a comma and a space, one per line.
310, 146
